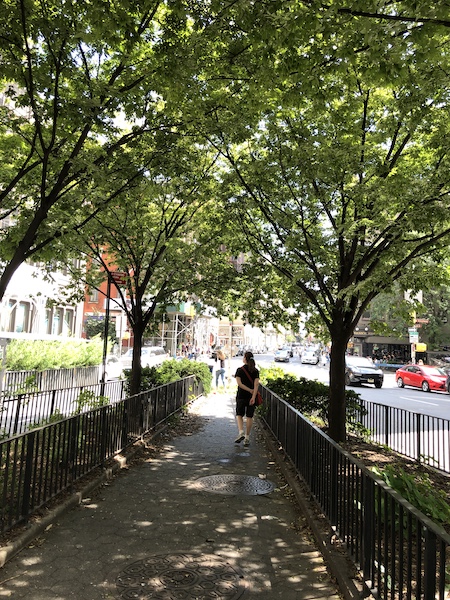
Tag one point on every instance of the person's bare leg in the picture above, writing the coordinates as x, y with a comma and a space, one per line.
248, 428
240, 422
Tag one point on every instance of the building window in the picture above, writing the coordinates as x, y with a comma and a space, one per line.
48, 320
57, 322
12, 314
22, 317
68, 321
93, 296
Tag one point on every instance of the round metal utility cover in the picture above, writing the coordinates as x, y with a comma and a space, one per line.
180, 577
235, 485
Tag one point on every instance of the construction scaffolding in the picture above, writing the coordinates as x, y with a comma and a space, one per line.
178, 330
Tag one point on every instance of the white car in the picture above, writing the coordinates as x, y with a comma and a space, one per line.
282, 355
309, 357
151, 356
113, 368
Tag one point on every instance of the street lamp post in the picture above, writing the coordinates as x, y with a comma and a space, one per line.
231, 347
105, 336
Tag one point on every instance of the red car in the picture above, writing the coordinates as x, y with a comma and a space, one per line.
422, 376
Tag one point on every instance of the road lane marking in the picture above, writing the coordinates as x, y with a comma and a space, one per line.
419, 401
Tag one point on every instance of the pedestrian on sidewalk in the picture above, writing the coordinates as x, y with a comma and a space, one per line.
220, 371
247, 379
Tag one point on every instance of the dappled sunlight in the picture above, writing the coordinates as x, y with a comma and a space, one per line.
155, 511
91, 505
29, 561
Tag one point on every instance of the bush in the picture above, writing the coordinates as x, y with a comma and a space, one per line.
310, 397
38, 355
418, 490
173, 370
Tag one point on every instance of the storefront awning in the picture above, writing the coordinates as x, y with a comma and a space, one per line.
378, 339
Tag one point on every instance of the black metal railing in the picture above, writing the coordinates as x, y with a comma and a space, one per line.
423, 438
400, 553
20, 412
39, 464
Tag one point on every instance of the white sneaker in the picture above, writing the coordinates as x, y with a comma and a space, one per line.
246, 441
239, 438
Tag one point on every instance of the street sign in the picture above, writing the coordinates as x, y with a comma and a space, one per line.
413, 337
119, 277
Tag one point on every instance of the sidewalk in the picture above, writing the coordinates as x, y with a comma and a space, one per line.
156, 531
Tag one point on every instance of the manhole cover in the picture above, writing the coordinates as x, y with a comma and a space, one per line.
235, 484
180, 577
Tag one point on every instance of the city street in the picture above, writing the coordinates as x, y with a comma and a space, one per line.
434, 440
436, 404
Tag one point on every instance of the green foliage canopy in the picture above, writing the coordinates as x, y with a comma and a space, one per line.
334, 124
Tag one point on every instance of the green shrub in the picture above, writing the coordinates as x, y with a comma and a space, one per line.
310, 397
88, 399
38, 355
418, 490
173, 370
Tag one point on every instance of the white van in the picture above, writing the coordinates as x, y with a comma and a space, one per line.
151, 356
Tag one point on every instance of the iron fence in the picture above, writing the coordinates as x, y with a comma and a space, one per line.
50, 379
400, 553
421, 437
20, 412
38, 465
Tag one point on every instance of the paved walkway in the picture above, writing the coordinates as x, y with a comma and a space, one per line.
161, 531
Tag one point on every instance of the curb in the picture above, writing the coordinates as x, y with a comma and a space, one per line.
339, 563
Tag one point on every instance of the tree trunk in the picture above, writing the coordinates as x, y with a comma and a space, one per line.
22, 250
136, 373
337, 402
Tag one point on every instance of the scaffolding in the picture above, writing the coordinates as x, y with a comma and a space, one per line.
178, 329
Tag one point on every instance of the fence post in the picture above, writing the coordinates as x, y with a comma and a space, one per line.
74, 428
429, 579
386, 425
52, 407
334, 495
29, 463
368, 507
104, 432
124, 441
16, 418
419, 442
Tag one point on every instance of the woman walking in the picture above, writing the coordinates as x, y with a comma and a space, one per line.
220, 372
247, 379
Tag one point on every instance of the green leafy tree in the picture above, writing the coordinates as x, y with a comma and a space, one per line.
167, 236
78, 82
96, 327
335, 127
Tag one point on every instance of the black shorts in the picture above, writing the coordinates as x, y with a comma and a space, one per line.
244, 408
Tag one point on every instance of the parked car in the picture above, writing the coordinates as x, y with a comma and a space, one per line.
151, 356
426, 377
113, 368
282, 355
359, 369
310, 357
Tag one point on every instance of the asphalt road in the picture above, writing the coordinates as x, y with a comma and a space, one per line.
430, 440
436, 404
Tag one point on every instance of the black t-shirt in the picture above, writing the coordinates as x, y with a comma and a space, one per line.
246, 378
